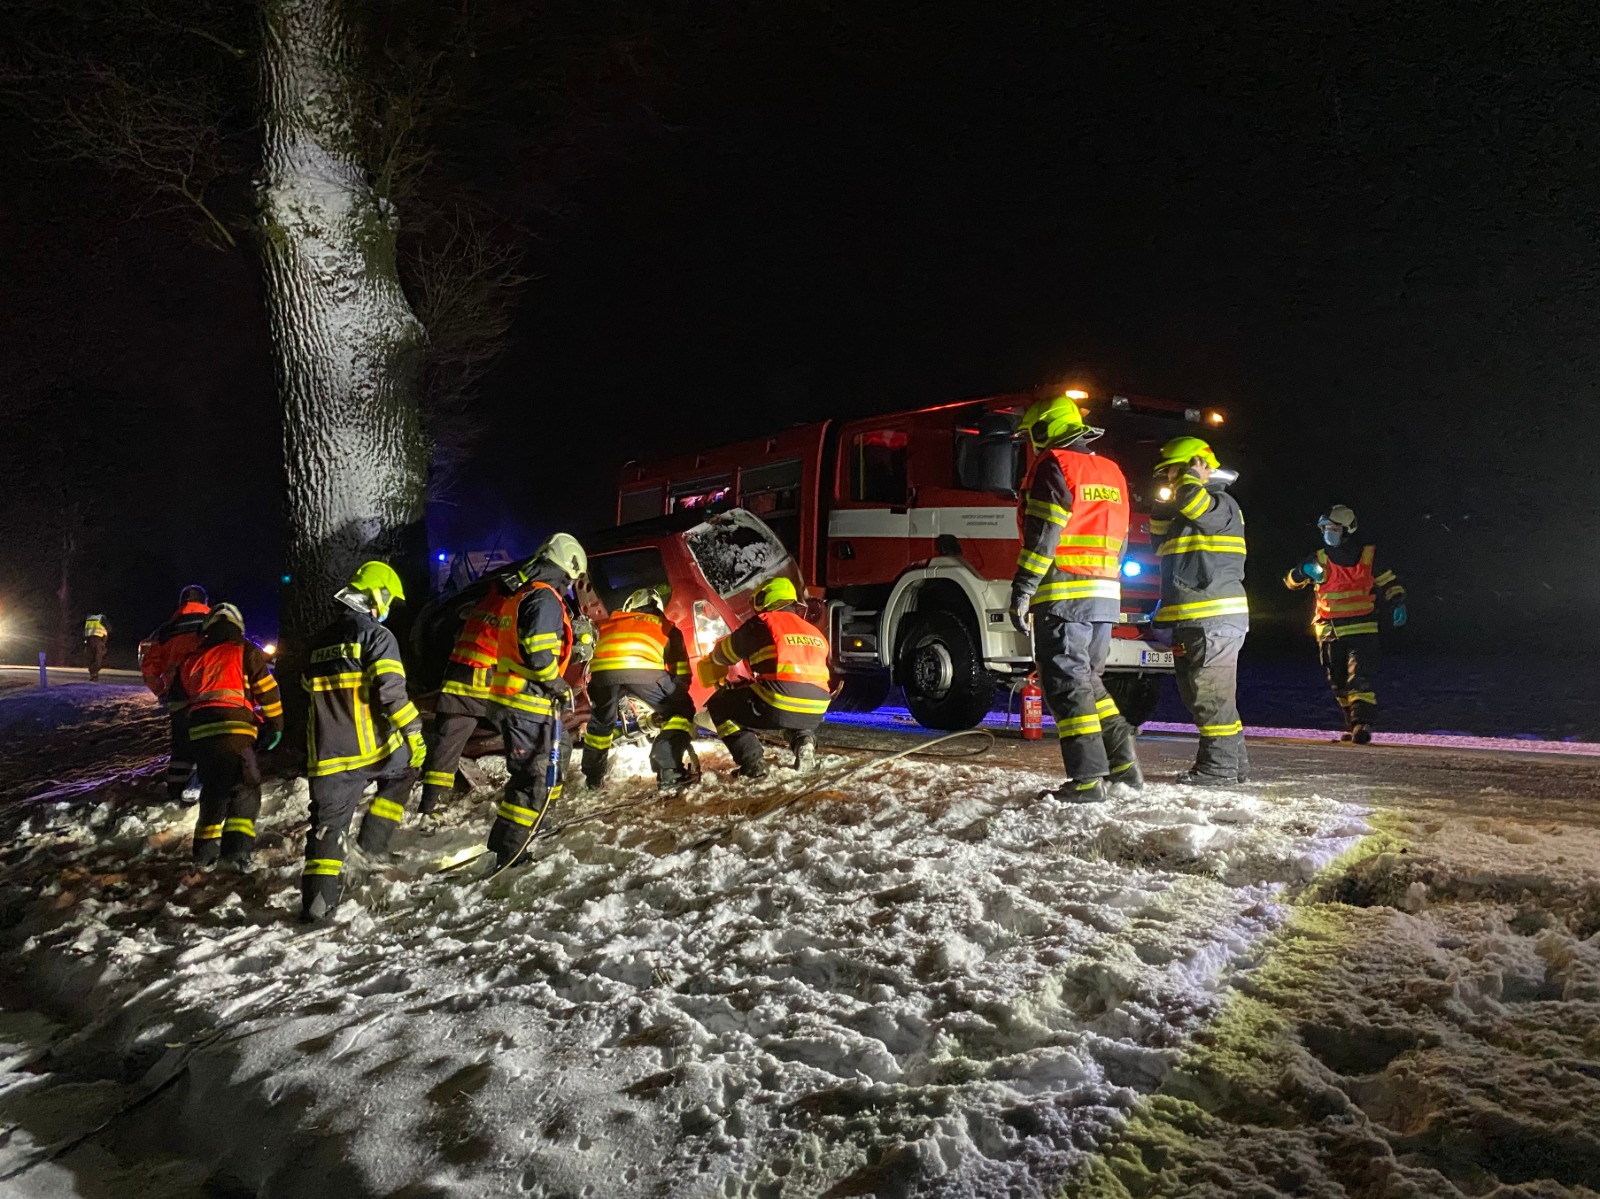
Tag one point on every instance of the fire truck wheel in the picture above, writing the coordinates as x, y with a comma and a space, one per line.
941, 669
1136, 694
864, 692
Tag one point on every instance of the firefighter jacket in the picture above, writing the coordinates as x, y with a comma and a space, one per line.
1198, 536
635, 647
534, 646
1347, 597
1074, 524
168, 648
470, 668
95, 627
788, 656
228, 683
360, 712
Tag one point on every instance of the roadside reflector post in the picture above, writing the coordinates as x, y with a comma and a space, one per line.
44, 675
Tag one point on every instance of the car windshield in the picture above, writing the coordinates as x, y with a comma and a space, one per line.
735, 551
614, 577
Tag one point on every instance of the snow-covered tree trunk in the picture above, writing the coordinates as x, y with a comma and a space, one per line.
346, 338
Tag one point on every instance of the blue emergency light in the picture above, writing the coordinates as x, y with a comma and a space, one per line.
443, 557
1131, 569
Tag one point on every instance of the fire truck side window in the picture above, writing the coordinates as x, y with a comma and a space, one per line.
988, 457
878, 466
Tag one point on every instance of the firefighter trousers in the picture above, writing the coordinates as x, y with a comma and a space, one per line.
1206, 659
180, 764
533, 785
94, 656
1096, 741
1352, 666
455, 720
664, 695
230, 798
738, 710
334, 800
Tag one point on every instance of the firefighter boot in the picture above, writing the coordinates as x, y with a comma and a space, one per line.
1078, 791
671, 755
1361, 734
322, 879
1195, 777
745, 747
803, 742
1128, 779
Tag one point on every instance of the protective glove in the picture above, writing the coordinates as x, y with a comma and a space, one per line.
1397, 616
710, 672
272, 740
419, 748
1020, 602
559, 690
1313, 570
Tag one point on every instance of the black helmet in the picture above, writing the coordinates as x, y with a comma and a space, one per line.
193, 594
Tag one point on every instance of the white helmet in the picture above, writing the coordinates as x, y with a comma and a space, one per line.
1341, 515
563, 549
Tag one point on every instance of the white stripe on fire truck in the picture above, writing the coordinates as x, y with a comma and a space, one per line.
997, 523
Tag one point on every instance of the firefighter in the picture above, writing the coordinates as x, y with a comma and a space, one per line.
1074, 522
1197, 531
528, 692
1345, 576
363, 728
167, 650
464, 694
233, 700
641, 654
95, 635
788, 656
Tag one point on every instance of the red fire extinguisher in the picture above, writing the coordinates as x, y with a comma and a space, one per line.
1032, 709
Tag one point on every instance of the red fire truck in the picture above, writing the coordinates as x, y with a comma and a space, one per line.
906, 525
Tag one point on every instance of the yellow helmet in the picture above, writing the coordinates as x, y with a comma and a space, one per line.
775, 593
1056, 421
378, 583
1180, 451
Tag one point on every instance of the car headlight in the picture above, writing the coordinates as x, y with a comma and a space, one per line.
709, 627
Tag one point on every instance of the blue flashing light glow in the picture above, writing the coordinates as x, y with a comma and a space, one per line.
1131, 569
286, 580
443, 557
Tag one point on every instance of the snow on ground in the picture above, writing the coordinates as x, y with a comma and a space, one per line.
921, 980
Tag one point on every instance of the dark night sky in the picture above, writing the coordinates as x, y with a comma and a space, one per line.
1368, 234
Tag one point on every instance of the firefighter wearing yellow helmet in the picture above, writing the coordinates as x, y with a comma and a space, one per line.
1349, 583
1197, 532
1066, 593
641, 656
788, 657
363, 728
527, 692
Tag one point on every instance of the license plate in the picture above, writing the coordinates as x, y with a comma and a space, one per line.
1155, 657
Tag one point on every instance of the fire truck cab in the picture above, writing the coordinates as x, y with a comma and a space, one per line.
906, 524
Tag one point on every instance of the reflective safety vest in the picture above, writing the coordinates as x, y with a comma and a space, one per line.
1346, 593
512, 674
792, 673
477, 646
94, 627
1089, 548
631, 641
218, 679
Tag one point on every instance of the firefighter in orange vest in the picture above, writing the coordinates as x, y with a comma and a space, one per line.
165, 652
640, 653
1348, 584
233, 699
789, 657
1074, 524
363, 729
95, 636
527, 692
464, 694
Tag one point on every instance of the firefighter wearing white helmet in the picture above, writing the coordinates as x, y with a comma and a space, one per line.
1067, 594
363, 729
641, 656
790, 690
527, 692
1346, 576
1197, 532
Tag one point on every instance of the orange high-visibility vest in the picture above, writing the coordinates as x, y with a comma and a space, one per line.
1346, 591
799, 652
1091, 544
512, 673
214, 678
478, 643
631, 641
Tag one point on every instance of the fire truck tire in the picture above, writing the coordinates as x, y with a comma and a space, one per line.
863, 692
940, 666
1136, 694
